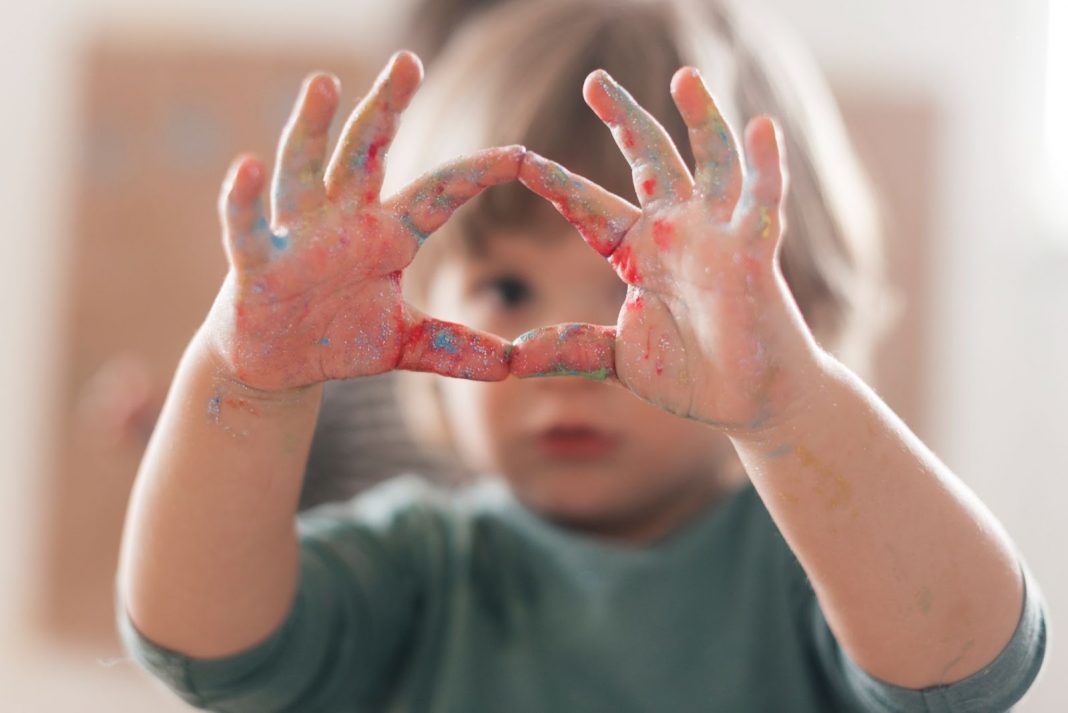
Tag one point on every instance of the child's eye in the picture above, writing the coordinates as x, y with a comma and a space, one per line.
511, 291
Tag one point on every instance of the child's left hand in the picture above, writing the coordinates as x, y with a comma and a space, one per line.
709, 330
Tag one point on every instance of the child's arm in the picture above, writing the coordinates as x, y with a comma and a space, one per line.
917, 579
209, 554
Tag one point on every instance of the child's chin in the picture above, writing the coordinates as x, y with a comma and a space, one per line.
584, 509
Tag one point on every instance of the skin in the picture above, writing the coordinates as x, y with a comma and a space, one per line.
315, 294
209, 553
661, 468
918, 581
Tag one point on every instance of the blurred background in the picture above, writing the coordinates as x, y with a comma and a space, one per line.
120, 117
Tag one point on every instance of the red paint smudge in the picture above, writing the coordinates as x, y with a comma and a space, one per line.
663, 234
659, 367
637, 304
628, 139
369, 197
649, 185
648, 345
624, 261
242, 404
372, 153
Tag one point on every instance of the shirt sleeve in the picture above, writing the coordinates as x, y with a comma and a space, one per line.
995, 688
356, 604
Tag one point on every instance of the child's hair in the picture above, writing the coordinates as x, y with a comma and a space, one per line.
513, 74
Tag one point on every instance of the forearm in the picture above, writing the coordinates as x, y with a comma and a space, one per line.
917, 579
209, 552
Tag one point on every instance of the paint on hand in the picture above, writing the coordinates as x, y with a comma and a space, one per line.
214, 406
412, 228
444, 339
571, 349
765, 223
663, 234
596, 374
325, 341
280, 240
626, 265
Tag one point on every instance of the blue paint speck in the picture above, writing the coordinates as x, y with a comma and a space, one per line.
325, 341
407, 222
445, 339
214, 406
280, 240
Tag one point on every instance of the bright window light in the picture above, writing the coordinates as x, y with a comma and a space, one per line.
1057, 92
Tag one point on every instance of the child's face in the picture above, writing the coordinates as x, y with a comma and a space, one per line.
587, 453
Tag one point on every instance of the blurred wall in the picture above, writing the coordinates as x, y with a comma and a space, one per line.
998, 347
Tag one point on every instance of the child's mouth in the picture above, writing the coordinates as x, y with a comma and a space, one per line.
575, 442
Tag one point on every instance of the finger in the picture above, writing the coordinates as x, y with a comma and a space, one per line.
601, 217
764, 180
426, 203
358, 164
572, 349
298, 173
719, 173
452, 349
658, 170
246, 235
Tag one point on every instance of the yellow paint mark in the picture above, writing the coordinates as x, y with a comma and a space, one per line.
832, 486
683, 378
765, 223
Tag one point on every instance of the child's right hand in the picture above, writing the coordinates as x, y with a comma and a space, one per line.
315, 293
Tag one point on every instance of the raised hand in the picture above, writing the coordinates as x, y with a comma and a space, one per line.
708, 330
314, 293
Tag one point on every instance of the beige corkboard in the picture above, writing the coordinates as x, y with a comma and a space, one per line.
158, 129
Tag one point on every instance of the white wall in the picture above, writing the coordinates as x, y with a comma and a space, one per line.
1000, 344
999, 347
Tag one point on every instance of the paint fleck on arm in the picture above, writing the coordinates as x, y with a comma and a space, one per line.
214, 404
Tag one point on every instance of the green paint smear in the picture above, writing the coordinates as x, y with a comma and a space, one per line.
597, 374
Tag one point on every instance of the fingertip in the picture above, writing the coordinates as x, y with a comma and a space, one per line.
245, 179
595, 92
533, 169
683, 78
763, 146
762, 141
322, 91
513, 157
406, 72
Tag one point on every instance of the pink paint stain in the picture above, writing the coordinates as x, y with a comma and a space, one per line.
624, 260
627, 136
663, 234
372, 153
649, 185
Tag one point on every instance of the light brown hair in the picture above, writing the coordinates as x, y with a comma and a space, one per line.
513, 74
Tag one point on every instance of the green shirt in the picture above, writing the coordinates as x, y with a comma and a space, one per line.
413, 598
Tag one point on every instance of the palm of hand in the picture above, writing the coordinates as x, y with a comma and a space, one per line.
315, 294
695, 334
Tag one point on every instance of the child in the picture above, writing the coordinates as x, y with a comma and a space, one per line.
611, 559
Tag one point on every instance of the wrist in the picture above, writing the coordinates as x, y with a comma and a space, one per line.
795, 404
206, 350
